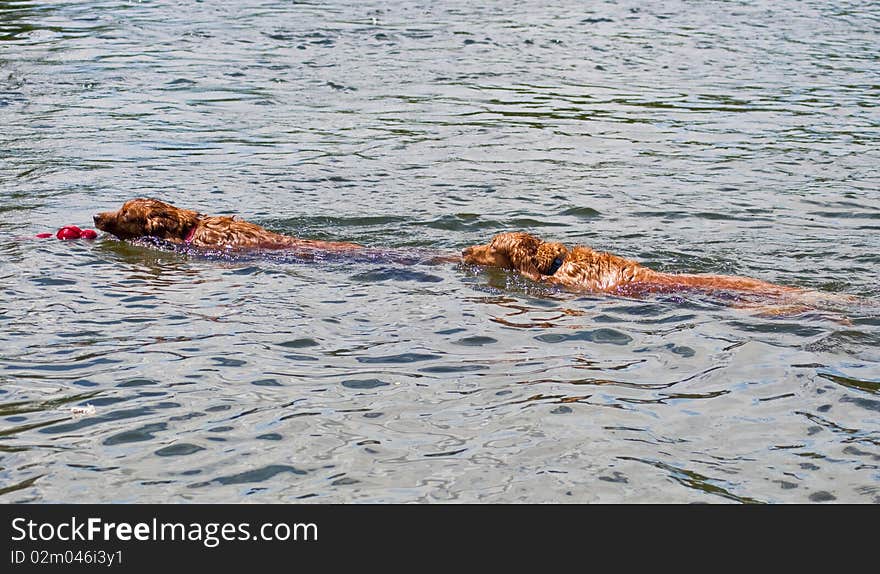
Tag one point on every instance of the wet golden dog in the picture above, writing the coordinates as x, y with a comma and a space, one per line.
153, 218
584, 269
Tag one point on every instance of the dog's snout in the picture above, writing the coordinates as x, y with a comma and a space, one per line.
101, 220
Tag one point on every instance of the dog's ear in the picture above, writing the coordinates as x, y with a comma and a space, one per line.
160, 224
549, 256
170, 223
521, 249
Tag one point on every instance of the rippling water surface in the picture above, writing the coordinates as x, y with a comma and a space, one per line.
732, 137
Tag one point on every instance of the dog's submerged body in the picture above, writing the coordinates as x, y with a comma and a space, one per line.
584, 269
153, 218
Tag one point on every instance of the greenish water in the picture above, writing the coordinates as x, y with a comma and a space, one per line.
694, 136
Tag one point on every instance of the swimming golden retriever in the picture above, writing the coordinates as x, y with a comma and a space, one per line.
153, 218
585, 269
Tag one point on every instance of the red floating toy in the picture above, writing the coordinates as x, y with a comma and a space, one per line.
70, 232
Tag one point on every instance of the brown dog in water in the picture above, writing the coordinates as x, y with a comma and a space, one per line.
154, 218
584, 269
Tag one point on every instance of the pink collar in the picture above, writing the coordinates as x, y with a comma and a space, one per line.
190, 235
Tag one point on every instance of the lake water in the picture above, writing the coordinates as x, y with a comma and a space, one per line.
727, 137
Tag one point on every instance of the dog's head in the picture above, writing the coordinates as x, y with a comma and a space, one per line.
147, 217
518, 251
